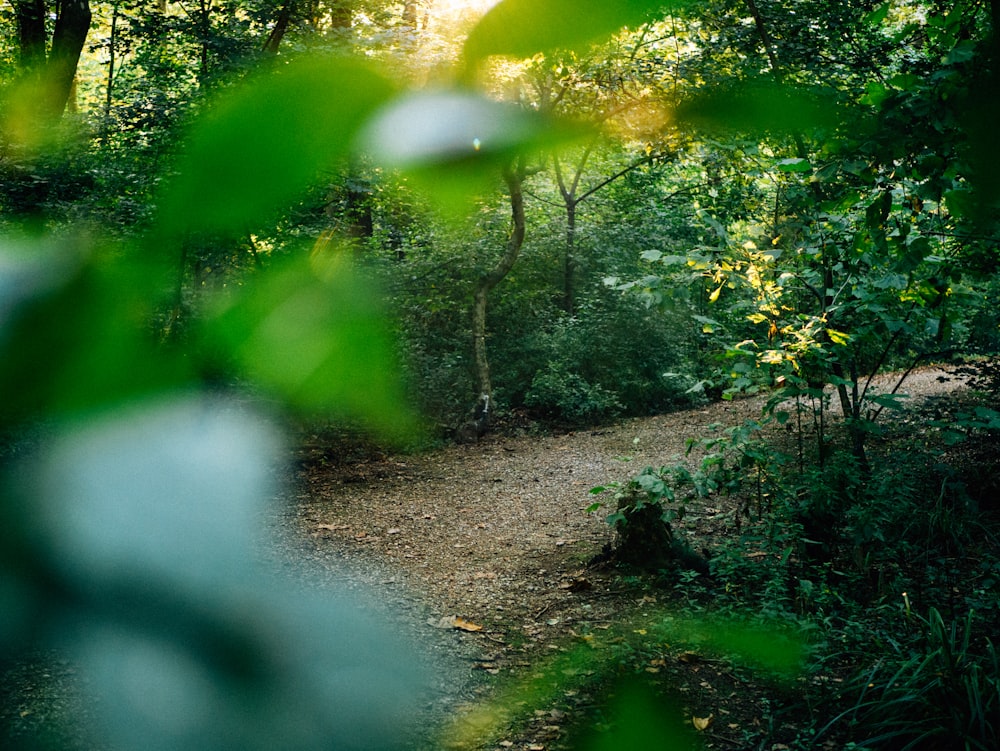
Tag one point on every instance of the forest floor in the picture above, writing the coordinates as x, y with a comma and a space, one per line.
484, 558
491, 548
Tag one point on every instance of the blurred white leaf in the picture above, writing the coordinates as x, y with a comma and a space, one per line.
444, 126
171, 492
290, 670
152, 516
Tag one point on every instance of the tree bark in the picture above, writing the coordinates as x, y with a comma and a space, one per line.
68, 38
514, 178
569, 259
31, 37
53, 74
109, 89
279, 30
205, 31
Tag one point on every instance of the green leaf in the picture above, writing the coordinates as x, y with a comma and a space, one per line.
961, 203
313, 334
613, 520
990, 418
892, 281
640, 719
523, 28
877, 16
146, 520
208, 483
794, 165
770, 647
708, 325
904, 81
257, 148
75, 335
875, 94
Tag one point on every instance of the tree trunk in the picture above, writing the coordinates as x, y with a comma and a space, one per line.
68, 38
30, 15
341, 15
411, 18
569, 259
204, 30
53, 73
571, 198
280, 27
109, 89
479, 422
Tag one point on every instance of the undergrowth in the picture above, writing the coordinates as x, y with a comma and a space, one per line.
889, 572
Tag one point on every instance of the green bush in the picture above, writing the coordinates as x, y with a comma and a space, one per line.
566, 397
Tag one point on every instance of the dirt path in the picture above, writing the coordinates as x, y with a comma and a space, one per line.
496, 534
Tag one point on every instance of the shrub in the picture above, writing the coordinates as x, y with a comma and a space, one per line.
566, 397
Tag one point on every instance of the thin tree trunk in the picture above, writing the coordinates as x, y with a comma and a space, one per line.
514, 178
280, 27
569, 259
411, 18
204, 30
341, 15
109, 89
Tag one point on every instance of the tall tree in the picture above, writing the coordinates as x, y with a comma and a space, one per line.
49, 66
514, 180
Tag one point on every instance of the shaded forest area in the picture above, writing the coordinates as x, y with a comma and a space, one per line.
415, 223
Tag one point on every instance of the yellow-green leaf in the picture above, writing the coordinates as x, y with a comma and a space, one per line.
838, 337
522, 28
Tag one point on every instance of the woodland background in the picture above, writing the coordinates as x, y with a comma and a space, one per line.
422, 222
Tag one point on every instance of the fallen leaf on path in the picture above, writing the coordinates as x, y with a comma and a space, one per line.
702, 723
464, 625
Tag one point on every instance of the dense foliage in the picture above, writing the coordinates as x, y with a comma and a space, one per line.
388, 216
